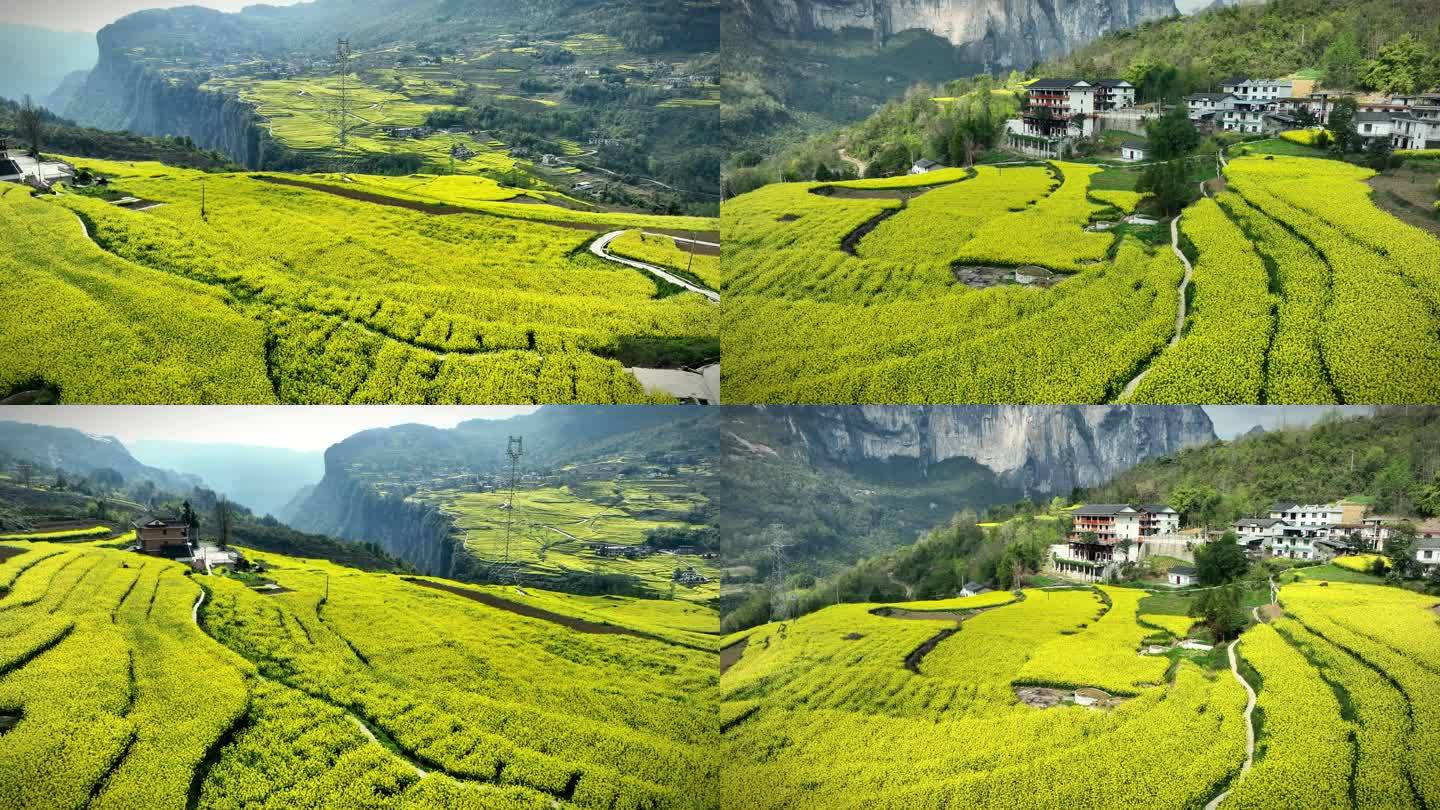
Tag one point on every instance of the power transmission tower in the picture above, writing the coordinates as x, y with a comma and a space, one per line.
778, 607
515, 449
341, 111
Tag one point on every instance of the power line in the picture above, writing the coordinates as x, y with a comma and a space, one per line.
514, 450
341, 111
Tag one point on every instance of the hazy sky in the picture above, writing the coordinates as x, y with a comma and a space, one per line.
92, 15
295, 427
1232, 420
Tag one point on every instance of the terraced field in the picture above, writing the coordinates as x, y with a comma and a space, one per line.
375, 299
864, 291
341, 688
1347, 684
553, 529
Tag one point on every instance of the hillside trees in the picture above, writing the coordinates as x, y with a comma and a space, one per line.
31, 126
1403, 66
1343, 62
1221, 561
1220, 610
1172, 138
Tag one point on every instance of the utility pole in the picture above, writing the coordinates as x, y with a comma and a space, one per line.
203, 215
342, 100
779, 608
514, 450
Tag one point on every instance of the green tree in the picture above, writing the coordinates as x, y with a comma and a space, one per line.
1399, 67
1220, 610
822, 172
1168, 183
1427, 497
1400, 550
1220, 561
1342, 125
31, 124
1172, 135
1196, 504
1342, 62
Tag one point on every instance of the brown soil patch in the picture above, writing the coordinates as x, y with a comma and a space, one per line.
6, 552
1436, 609
787, 217
702, 236
731, 655
1409, 196
982, 276
912, 661
1041, 697
852, 241
1270, 613
854, 636
932, 615
531, 611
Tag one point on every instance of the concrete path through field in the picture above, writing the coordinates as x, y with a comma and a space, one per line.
1180, 313
1249, 729
601, 247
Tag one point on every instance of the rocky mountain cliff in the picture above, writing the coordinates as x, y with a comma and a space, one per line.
852, 482
1000, 34
369, 477
1041, 449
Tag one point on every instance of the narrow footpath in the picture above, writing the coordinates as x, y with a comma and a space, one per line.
1249, 729
601, 247
1180, 311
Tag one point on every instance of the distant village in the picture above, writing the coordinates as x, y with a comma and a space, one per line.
1104, 537
1058, 112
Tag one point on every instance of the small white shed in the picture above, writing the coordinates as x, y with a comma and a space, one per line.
1133, 151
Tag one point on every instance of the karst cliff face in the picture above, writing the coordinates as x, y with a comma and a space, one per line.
1041, 449
996, 33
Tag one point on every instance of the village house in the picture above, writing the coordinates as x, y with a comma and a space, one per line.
1052, 106
1373, 125
1293, 530
163, 536
1181, 576
1427, 545
1419, 126
924, 166
973, 589
1328, 548
1207, 109
1133, 150
1252, 100
1105, 534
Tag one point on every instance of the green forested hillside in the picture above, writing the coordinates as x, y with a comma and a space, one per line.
1385, 45
1392, 459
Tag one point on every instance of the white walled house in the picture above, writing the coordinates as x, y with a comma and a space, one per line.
1103, 536
1263, 530
1181, 576
1133, 151
1208, 106
1253, 98
1373, 125
925, 166
1419, 126
1052, 105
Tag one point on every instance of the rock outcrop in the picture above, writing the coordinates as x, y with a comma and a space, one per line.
1000, 34
1042, 449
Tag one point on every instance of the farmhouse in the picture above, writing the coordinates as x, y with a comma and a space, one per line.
924, 166
973, 589
1252, 99
1132, 150
1206, 109
1372, 124
1107, 533
163, 536
1181, 576
1053, 107
1419, 126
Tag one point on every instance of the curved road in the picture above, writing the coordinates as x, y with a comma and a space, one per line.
1180, 313
1249, 729
600, 247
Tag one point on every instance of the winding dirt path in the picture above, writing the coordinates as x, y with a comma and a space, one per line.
1180, 312
860, 165
1249, 729
730, 656
601, 247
